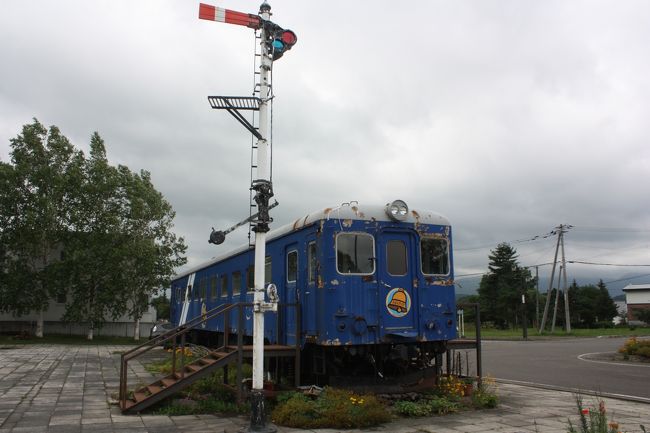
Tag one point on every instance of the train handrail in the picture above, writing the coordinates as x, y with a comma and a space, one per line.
183, 329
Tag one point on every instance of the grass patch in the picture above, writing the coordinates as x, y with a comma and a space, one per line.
77, 340
516, 334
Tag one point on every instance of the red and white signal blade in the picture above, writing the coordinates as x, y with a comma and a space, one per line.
212, 13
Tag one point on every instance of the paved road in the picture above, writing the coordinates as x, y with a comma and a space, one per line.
557, 363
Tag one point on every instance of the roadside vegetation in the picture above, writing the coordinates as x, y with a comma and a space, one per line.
516, 333
636, 348
594, 420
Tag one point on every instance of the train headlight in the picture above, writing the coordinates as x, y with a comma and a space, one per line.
397, 210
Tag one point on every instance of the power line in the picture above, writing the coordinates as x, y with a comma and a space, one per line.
601, 264
515, 241
625, 279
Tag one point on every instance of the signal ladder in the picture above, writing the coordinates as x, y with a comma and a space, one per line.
235, 104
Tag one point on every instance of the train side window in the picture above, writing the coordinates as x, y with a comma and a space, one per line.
236, 283
311, 259
355, 253
292, 266
250, 279
204, 288
224, 285
213, 287
191, 295
434, 253
396, 262
268, 268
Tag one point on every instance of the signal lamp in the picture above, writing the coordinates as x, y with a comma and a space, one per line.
397, 210
282, 41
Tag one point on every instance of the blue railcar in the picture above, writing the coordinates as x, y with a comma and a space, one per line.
374, 286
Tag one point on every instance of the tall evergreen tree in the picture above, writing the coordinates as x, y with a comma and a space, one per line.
501, 288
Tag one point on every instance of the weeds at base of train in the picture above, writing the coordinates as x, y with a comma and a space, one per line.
328, 407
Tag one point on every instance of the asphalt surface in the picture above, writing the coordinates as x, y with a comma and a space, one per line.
569, 364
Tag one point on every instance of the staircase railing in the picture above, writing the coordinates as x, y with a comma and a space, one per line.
181, 331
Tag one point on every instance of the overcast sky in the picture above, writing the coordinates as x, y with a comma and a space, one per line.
508, 117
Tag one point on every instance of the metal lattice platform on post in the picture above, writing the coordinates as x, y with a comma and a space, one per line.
233, 104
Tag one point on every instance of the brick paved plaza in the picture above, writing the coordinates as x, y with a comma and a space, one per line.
60, 388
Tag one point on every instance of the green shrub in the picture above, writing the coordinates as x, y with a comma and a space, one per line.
334, 408
635, 347
411, 408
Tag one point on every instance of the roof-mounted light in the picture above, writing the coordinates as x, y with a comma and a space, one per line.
397, 210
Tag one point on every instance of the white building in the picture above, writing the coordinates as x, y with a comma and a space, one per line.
52, 324
637, 297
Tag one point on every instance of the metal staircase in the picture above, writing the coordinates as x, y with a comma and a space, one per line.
184, 374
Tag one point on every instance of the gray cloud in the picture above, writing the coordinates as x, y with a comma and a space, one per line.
509, 117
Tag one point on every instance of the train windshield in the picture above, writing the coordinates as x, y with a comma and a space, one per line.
435, 256
355, 253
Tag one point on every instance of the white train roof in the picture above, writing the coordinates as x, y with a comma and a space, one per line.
346, 211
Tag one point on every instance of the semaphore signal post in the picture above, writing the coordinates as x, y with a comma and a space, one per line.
274, 42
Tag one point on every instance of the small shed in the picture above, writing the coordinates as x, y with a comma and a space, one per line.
637, 297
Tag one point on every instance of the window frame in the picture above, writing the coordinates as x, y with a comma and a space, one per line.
446, 241
236, 275
312, 256
406, 258
223, 283
374, 253
295, 280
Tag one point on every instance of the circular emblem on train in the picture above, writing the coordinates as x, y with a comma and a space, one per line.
398, 302
204, 315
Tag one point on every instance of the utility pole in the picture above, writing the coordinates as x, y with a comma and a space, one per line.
550, 284
567, 316
536, 296
557, 295
274, 41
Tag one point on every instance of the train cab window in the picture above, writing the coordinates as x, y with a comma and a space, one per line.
292, 266
311, 259
434, 253
224, 286
396, 262
236, 283
355, 253
213, 288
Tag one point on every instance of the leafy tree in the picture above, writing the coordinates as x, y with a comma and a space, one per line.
96, 246
154, 251
643, 315
34, 203
590, 305
501, 288
161, 304
76, 225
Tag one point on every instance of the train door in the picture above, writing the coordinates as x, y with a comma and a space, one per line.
289, 295
397, 273
186, 299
